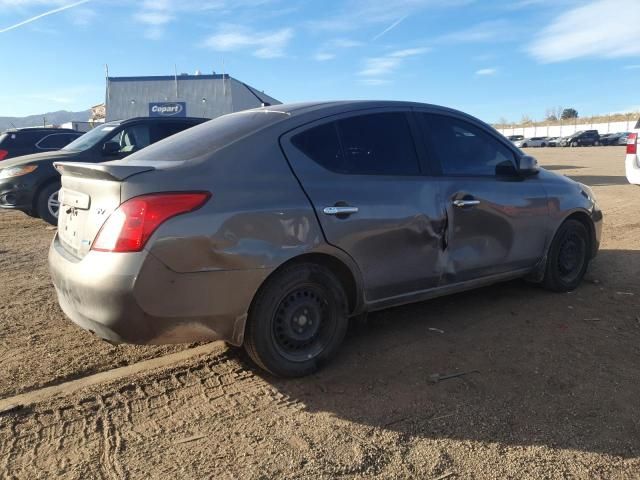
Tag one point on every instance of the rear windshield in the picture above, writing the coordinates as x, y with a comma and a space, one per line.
209, 137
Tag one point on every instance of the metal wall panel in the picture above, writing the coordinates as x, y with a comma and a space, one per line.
207, 96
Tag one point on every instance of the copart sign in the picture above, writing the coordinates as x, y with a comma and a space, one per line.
168, 109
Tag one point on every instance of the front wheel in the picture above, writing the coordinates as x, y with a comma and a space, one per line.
297, 321
48, 204
568, 257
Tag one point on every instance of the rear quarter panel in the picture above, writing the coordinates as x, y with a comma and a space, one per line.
258, 216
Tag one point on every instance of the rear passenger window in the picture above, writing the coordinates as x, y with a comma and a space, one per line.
322, 145
162, 130
464, 149
56, 141
374, 144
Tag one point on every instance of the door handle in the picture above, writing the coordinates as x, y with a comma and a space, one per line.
340, 210
465, 203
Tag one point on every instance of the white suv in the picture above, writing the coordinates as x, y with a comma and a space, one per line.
632, 162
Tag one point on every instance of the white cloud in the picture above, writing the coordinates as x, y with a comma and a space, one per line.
158, 14
265, 44
409, 52
377, 67
328, 50
374, 82
482, 32
601, 28
357, 14
324, 57
486, 72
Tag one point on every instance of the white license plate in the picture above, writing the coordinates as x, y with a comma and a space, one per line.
68, 227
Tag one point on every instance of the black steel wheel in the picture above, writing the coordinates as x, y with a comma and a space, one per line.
568, 257
297, 321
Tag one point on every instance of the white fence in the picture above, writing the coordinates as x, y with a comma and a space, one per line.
567, 129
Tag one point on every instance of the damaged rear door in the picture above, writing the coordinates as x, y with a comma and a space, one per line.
362, 173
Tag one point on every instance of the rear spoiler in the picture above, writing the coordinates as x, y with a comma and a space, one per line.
100, 171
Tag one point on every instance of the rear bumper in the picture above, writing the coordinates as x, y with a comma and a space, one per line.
632, 167
134, 298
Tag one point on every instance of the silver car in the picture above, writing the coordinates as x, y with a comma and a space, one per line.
270, 228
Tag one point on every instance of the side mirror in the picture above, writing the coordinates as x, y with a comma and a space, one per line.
110, 148
528, 165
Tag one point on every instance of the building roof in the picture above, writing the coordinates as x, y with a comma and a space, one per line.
207, 96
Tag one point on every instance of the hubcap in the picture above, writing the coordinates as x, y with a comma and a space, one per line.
571, 257
300, 323
53, 204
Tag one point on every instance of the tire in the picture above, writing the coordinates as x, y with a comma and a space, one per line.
568, 257
47, 206
275, 338
574, 144
543, 145
524, 146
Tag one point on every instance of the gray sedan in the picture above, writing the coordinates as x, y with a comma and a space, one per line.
270, 228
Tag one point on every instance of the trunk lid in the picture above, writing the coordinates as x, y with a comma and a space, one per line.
89, 194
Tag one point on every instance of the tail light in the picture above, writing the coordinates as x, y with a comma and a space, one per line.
632, 144
131, 225
3, 154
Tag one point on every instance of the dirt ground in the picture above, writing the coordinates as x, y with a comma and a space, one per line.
556, 393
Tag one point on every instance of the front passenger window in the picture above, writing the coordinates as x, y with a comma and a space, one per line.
132, 139
464, 149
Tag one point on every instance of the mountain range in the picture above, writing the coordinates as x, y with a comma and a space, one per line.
50, 118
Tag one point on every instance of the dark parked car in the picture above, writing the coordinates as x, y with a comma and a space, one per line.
24, 141
31, 183
270, 228
614, 139
584, 138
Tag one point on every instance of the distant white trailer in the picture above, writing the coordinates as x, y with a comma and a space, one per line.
79, 126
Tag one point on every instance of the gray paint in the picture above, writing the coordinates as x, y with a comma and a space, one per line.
199, 272
129, 97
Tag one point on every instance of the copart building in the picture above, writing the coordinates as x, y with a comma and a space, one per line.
206, 96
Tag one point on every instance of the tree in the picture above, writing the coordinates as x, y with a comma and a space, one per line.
525, 120
550, 114
569, 113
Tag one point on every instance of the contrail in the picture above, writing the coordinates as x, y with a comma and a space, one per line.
389, 28
45, 14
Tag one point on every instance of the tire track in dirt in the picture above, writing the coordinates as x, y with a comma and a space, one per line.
94, 432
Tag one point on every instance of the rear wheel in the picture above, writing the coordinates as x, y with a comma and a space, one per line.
568, 257
574, 144
297, 321
48, 204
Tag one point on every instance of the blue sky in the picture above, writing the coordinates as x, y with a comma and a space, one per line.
493, 59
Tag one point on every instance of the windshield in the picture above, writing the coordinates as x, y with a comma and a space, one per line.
88, 140
3, 137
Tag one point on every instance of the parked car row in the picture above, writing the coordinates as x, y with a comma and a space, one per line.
583, 138
30, 183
